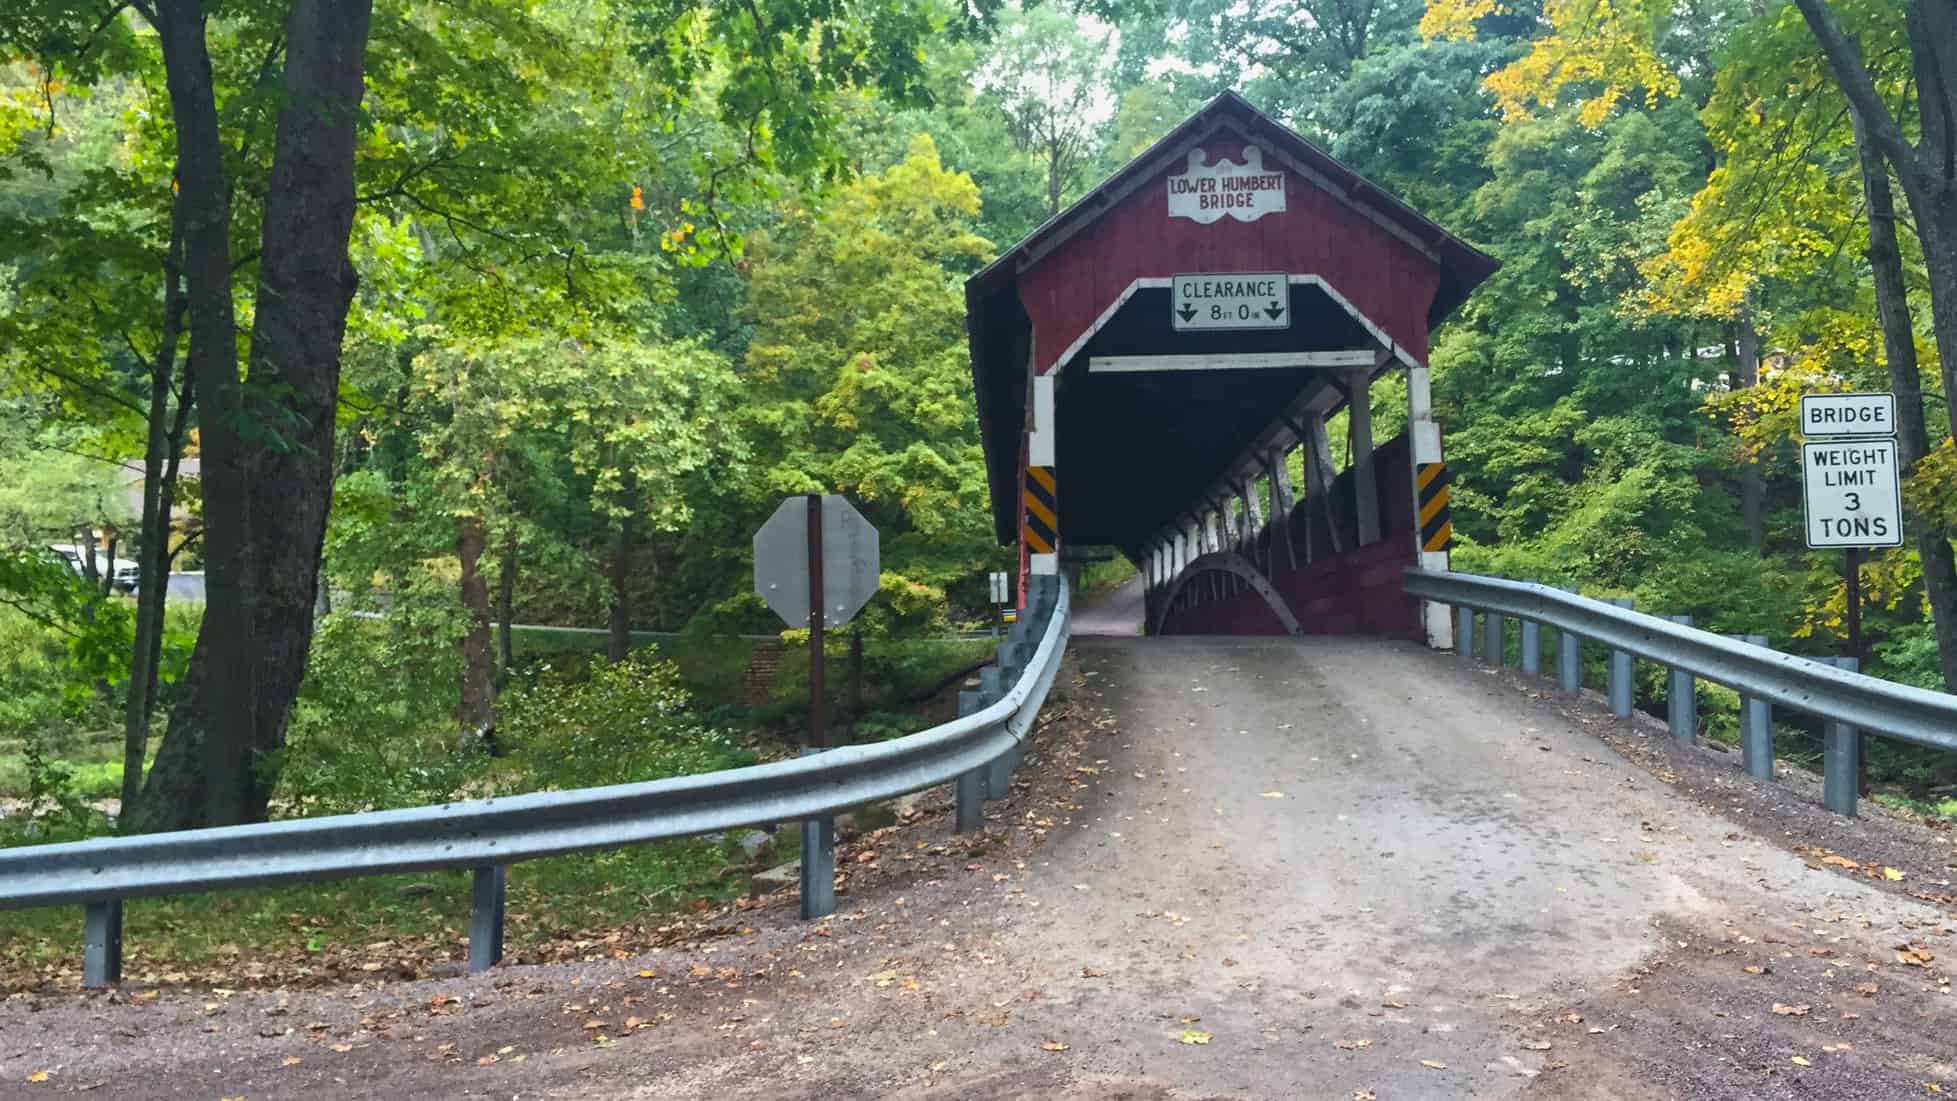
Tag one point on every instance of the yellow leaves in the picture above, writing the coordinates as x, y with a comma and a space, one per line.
1591, 42
1053, 1045
1800, 1061
1193, 1036
638, 198
1455, 19
1272, 795
1892, 875
1352, 1045
39, 1077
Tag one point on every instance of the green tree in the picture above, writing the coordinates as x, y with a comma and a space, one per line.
859, 338
1048, 74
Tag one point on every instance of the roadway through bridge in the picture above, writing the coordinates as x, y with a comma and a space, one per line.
1233, 868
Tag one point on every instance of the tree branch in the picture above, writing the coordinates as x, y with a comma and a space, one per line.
96, 389
1845, 59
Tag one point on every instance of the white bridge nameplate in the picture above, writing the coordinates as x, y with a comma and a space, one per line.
1245, 191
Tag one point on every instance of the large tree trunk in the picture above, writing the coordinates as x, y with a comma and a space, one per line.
1747, 361
1906, 379
506, 602
1933, 42
268, 444
477, 714
1927, 170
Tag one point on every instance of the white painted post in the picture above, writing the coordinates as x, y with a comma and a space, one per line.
1365, 488
1252, 521
1426, 449
1318, 476
1040, 447
1281, 501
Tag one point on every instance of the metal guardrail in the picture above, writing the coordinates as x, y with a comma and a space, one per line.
1848, 701
487, 835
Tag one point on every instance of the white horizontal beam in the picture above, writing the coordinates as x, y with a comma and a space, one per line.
1231, 361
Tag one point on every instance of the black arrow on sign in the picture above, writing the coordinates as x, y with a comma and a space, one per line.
1275, 311
1188, 313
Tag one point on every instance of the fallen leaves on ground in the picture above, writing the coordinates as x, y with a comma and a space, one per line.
1790, 1010
1433, 1064
38, 1077
1194, 1036
1351, 1045
1053, 1045
291, 1061
1800, 1061
1273, 795
1092, 973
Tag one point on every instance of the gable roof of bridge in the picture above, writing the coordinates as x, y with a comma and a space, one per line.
1396, 271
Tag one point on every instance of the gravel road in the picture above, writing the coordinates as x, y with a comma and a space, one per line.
1320, 868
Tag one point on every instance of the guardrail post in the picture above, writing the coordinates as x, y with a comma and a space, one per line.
998, 777
1682, 699
818, 868
486, 898
1620, 674
1495, 641
1569, 661
1757, 729
1464, 631
1532, 647
971, 783
102, 943
1841, 749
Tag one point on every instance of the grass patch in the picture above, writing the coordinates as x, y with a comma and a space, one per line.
1923, 808
328, 929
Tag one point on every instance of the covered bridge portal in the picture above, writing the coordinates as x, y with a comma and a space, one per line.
1147, 362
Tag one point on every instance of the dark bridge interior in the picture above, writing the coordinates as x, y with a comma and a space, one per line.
1135, 445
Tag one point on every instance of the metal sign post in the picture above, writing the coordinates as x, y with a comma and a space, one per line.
815, 563
817, 736
1001, 594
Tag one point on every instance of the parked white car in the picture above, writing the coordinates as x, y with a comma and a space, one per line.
124, 573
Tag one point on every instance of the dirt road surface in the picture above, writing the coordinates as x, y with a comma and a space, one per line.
1236, 868
1117, 612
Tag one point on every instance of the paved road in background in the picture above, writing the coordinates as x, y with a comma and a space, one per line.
1116, 612
1321, 868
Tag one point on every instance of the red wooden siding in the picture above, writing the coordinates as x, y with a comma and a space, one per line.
1384, 278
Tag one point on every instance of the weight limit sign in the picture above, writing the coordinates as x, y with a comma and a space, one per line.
1851, 494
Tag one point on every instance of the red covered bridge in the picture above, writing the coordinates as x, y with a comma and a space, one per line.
1148, 361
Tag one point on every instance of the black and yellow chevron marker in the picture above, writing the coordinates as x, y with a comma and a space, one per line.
1436, 526
1042, 527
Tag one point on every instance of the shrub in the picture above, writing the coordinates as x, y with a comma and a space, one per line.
620, 723
374, 725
